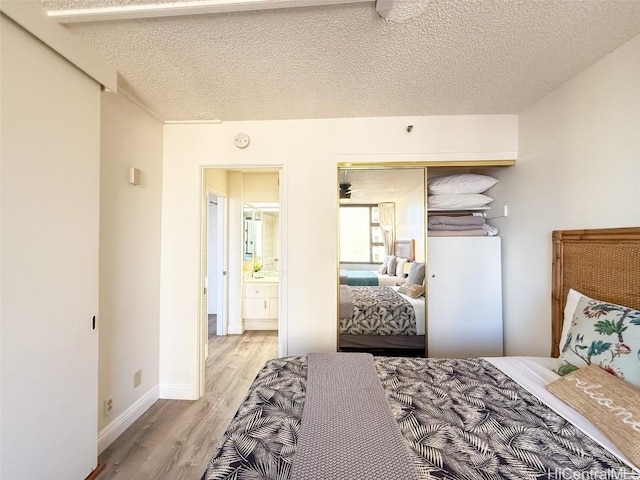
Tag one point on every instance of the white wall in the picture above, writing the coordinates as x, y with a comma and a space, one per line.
308, 151
129, 262
260, 188
578, 167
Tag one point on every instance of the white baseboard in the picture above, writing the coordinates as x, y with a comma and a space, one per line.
261, 324
178, 392
117, 426
235, 330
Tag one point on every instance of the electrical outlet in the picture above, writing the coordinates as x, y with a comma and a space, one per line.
107, 406
137, 378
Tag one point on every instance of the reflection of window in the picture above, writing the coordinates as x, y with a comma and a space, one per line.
360, 234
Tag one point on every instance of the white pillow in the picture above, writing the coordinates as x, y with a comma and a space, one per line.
461, 183
458, 200
573, 297
400, 267
382, 269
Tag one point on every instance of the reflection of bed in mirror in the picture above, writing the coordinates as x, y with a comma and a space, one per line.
384, 314
375, 317
402, 249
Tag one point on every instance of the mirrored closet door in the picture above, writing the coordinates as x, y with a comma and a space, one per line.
382, 251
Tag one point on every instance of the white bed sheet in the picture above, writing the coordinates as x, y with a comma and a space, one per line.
533, 373
389, 280
418, 308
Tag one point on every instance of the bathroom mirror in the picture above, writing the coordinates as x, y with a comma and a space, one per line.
260, 223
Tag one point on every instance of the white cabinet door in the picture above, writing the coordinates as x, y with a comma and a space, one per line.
50, 156
273, 308
256, 308
465, 297
260, 300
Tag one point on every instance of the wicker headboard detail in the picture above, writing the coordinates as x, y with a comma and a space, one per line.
405, 249
603, 264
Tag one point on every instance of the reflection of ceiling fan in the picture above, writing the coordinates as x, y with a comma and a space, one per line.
345, 190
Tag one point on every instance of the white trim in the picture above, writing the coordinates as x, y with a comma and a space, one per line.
175, 9
426, 157
137, 102
184, 391
194, 122
235, 330
203, 316
31, 16
116, 427
283, 287
261, 324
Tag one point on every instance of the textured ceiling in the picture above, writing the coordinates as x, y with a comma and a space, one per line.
458, 57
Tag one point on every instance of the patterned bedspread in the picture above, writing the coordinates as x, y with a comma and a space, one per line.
379, 311
463, 419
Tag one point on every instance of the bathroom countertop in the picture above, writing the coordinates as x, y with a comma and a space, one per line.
266, 279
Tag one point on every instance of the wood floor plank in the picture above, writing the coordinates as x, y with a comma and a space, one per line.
175, 439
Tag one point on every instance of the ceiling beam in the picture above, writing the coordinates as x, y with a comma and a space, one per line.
187, 7
31, 16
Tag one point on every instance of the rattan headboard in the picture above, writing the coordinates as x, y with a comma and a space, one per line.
405, 249
603, 264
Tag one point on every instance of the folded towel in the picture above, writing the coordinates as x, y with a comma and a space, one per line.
480, 232
451, 227
459, 220
491, 230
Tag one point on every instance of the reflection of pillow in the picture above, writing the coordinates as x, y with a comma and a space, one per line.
391, 265
603, 334
608, 402
462, 183
458, 200
382, 269
400, 263
416, 274
411, 289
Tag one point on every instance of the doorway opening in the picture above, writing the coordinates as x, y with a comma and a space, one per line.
241, 259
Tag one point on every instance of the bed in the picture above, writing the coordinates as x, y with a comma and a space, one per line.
425, 418
401, 249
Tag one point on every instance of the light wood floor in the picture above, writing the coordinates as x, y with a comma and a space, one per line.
175, 439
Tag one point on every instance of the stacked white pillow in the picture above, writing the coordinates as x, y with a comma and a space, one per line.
460, 192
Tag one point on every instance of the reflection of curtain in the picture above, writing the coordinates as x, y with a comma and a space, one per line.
387, 214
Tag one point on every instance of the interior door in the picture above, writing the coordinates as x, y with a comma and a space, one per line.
222, 262
50, 153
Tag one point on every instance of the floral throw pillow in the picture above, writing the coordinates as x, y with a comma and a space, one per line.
606, 335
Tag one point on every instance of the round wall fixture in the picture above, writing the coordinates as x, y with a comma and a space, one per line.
241, 140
